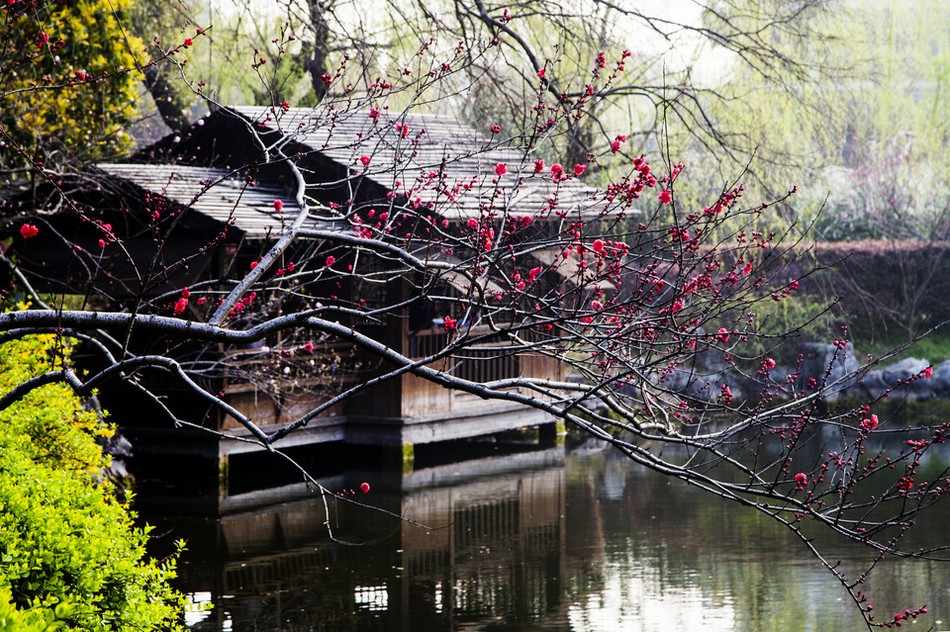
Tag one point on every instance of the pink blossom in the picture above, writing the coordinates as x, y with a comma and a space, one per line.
364, 487
723, 334
596, 305
541, 72
364, 160
330, 260
501, 169
598, 246
768, 363
29, 231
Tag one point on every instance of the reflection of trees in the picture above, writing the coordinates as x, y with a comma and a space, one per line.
667, 556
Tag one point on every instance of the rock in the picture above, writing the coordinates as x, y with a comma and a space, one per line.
905, 380
702, 385
941, 380
871, 385
821, 360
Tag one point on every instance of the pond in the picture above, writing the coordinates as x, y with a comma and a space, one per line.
526, 539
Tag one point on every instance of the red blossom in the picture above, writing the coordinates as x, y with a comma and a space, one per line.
541, 72
364, 160
278, 205
665, 197
557, 170
869, 424
723, 335
801, 481
929, 372
284, 105
598, 246
330, 260
364, 487
579, 169
495, 129
180, 305
188, 42
185, 292
538, 166
450, 323
726, 394
29, 231
501, 169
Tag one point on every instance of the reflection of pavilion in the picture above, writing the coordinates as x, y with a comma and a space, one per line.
493, 551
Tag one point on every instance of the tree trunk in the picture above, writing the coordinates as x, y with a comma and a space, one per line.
171, 106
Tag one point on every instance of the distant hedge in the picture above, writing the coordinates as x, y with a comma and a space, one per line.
886, 287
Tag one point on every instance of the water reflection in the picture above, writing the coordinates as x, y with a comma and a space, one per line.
533, 541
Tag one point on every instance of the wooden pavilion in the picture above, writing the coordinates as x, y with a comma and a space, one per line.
203, 190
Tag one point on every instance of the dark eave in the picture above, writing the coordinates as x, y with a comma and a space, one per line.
218, 194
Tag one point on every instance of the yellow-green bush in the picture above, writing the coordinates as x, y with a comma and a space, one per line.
70, 556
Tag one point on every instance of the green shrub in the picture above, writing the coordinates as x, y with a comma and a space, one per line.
70, 556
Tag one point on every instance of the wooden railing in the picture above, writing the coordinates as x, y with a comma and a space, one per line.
478, 363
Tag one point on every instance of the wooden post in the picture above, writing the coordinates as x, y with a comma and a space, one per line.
552, 434
401, 458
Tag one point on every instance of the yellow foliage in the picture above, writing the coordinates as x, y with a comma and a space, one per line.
50, 423
68, 74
